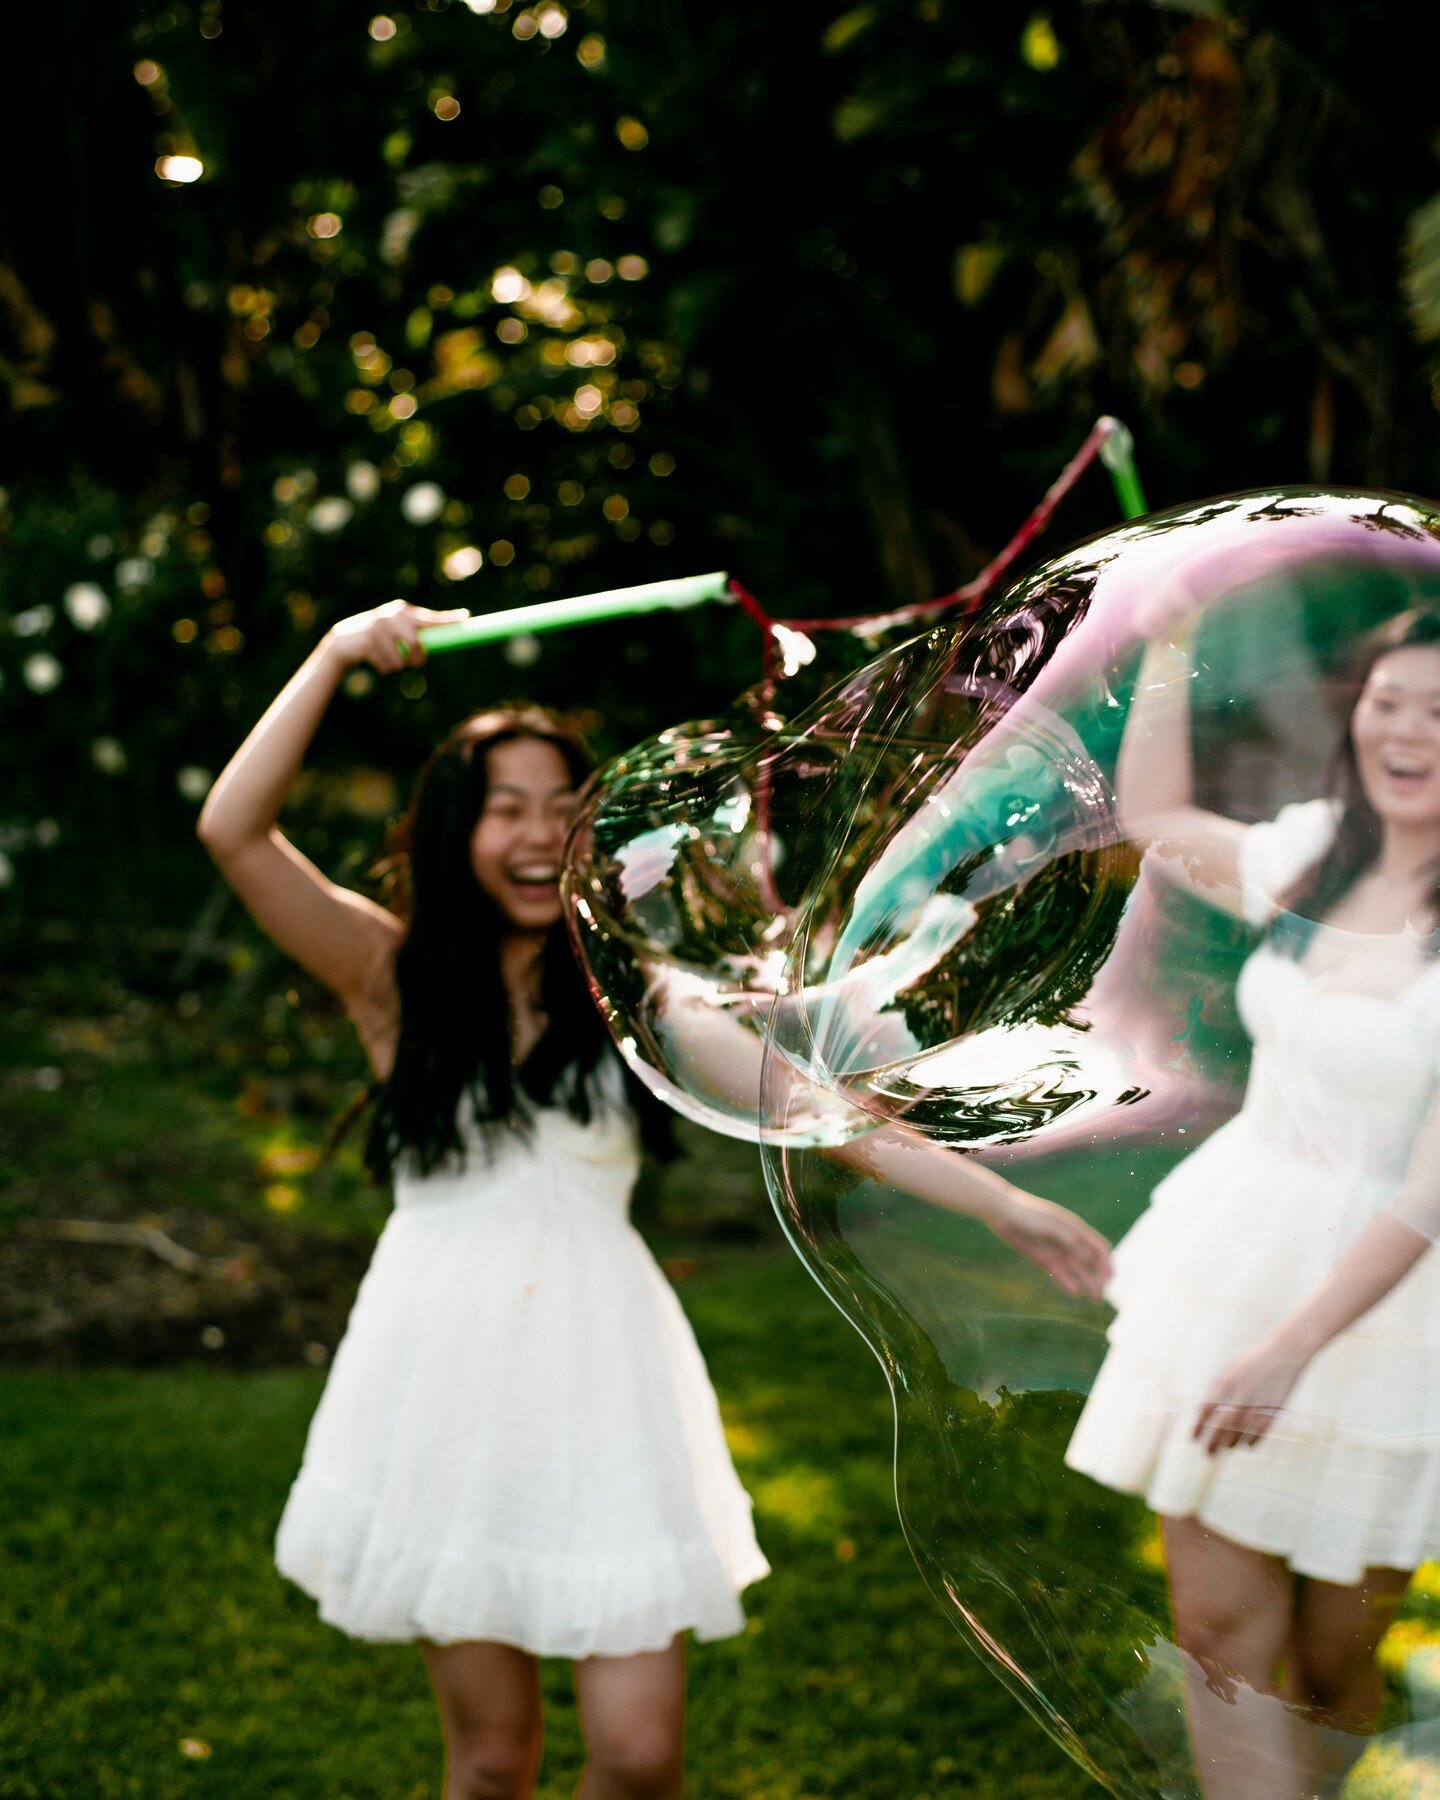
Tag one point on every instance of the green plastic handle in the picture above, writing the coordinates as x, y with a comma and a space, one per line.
1117, 452
555, 615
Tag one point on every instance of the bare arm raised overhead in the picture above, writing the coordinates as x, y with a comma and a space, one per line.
335, 933
1154, 779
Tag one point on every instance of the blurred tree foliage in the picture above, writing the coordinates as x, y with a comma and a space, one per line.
483, 301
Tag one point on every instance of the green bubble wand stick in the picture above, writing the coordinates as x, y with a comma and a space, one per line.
585, 609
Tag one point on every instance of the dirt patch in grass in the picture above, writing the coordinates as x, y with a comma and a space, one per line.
163, 1193
242, 1292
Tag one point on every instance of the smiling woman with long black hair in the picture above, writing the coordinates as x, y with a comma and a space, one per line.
518, 1452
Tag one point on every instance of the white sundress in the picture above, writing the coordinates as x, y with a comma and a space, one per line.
518, 1440
1348, 1474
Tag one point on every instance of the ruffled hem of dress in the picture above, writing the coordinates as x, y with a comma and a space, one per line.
382, 1589
1331, 1503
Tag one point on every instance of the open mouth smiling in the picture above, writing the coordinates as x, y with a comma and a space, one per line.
534, 878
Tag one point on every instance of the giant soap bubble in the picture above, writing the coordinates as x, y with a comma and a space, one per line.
1081, 918
697, 854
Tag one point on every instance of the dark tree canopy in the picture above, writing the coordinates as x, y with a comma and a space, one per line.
302, 307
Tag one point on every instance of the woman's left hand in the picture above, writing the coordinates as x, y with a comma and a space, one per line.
1071, 1252
1246, 1395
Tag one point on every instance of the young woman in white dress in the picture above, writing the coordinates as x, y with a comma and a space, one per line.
1270, 1383
517, 1452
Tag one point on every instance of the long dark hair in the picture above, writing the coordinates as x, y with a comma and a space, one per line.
455, 1013
1358, 830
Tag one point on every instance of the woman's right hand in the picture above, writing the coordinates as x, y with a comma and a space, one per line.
1071, 1252
376, 636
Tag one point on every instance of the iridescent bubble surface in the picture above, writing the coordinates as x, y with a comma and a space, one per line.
1066, 929
695, 854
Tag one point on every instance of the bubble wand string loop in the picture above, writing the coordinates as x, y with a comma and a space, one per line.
1109, 440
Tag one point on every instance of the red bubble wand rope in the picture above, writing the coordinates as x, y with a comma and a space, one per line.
1110, 441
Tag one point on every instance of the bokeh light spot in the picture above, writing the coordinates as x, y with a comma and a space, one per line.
461, 564
179, 171
87, 605
1039, 45
423, 503
508, 285
42, 673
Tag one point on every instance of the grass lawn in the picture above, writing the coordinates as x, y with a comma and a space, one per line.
148, 1649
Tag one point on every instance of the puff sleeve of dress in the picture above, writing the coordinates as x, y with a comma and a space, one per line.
1276, 853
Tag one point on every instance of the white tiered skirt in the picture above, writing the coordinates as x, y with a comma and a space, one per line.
1347, 1477
518, 1441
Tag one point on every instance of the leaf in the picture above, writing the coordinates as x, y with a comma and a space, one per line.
840, 33
976, 266
855, 116
1422, 270
1072, 347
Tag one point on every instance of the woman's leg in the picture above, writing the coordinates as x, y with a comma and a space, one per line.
489, 1696
1331, 1667
1233, 1608
633, 1712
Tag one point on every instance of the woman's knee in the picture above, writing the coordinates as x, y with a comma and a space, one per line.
493, 1765
1232, 1606
1215, 1627
644, 1758
1333, 1645
1335, 1673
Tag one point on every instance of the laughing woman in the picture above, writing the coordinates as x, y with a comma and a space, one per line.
518, 1452
1269, 1381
